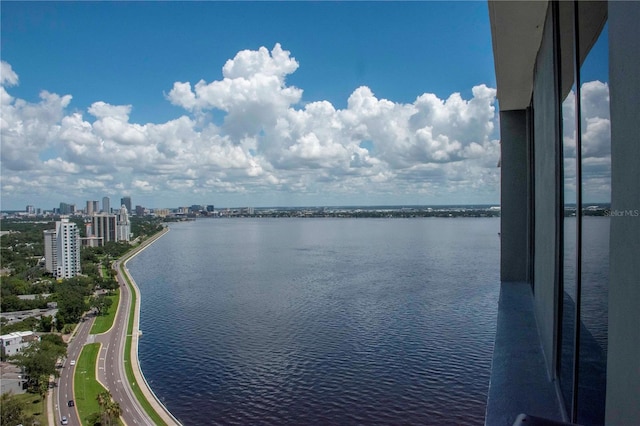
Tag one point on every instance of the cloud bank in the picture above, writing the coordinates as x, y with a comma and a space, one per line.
270, 145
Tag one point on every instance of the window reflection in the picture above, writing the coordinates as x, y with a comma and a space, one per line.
596, 195
586, 197
568, 282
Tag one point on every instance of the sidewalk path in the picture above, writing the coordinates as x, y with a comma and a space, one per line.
50, 413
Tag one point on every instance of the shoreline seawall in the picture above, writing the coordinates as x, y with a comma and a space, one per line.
151, 397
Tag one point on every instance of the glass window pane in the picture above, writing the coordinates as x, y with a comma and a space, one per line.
569, 185
596, 196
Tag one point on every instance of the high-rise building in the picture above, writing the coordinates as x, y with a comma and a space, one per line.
66, 208
111, 227
123, 227
92, 207
68, 245
106, 207
126, 201
62, 249
139, 211
30, 210
103, 226
50, 250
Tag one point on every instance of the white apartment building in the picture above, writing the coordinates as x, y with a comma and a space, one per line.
14, 343
123, 227
62, 249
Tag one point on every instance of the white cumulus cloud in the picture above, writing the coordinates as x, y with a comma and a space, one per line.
269, 142
7, 76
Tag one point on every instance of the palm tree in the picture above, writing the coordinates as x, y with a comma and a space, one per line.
113, 411
104, 399
110, 410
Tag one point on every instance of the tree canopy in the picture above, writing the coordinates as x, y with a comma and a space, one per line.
13, 411
39, 360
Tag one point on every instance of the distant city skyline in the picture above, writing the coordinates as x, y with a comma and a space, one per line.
323, 103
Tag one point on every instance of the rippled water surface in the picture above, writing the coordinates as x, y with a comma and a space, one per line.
321, 321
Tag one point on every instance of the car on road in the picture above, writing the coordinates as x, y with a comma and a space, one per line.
73, 362
64, 420
71, 403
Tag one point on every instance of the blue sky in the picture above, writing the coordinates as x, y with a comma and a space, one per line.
132, 52
348, 103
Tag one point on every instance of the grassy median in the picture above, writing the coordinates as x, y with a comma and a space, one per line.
85, 386
104, 322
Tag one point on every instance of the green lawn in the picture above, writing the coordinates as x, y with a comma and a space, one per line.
86, 387
104, 322
33, 406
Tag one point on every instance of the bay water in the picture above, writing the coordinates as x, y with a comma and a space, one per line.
304, 321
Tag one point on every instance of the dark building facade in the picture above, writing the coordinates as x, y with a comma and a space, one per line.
126, 201
543, 364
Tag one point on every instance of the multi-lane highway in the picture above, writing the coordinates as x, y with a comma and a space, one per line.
110, 367
63, 391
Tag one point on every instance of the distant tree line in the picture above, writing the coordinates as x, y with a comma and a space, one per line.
20, 251
23, 246
145, 226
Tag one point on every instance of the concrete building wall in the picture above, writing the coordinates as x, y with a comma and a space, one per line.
515, 385
50, 250
623, 364
513, 196
104, 226
546, 156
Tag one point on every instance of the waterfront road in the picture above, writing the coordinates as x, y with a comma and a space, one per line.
63, 390
111, 363
110, 367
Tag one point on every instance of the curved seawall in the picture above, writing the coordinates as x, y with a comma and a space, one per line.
148, 393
